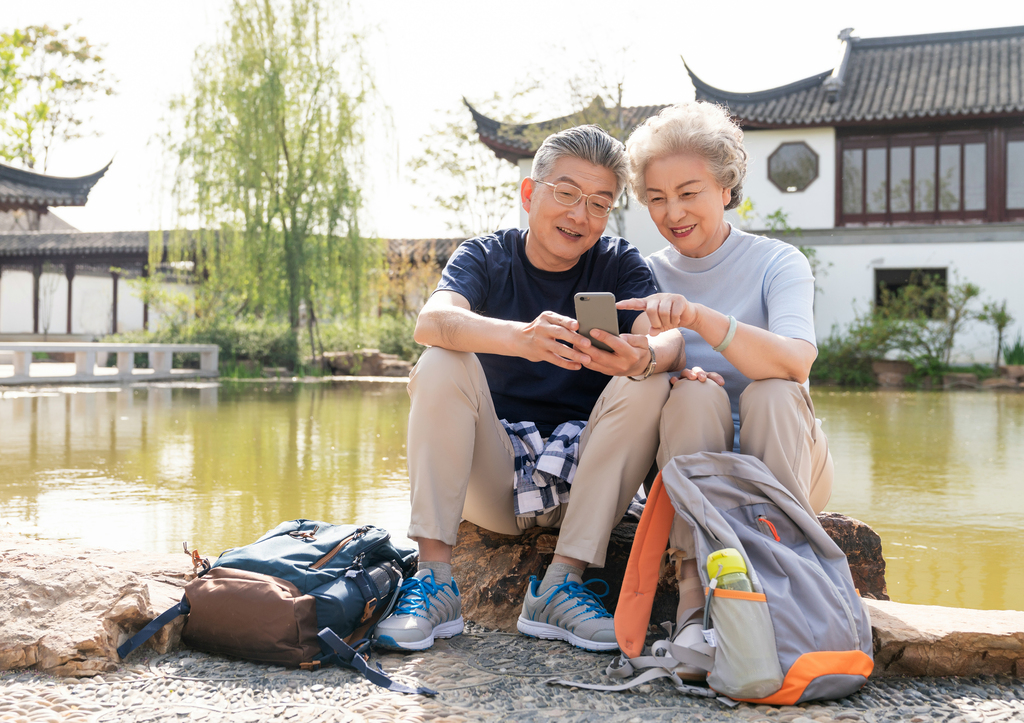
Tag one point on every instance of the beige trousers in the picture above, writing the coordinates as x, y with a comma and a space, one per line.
777, 426
461, 462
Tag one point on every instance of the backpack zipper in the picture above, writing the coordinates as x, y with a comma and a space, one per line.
337, 548
768, 527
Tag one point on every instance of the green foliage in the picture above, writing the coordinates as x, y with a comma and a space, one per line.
927, 316
268, 343
998, 318
268, 162
1014, 354
919, 322
845, 358
48, 76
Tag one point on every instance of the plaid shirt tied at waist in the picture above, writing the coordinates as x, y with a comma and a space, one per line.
543, 469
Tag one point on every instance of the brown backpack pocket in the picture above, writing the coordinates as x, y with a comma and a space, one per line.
250, 615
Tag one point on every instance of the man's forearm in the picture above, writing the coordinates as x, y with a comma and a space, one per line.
451, 327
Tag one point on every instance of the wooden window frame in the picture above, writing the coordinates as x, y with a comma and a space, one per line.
995, 177
1009, 214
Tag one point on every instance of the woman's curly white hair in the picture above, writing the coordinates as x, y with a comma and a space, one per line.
704, 129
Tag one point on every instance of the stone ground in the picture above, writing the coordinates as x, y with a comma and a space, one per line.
480, 675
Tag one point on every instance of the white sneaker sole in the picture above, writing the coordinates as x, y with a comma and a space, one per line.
553, 632
444, 630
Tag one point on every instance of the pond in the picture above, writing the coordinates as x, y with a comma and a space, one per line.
937, 475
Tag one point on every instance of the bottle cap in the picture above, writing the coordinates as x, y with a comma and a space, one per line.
730, 561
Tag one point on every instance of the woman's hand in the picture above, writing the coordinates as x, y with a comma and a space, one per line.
699, 375
664, 311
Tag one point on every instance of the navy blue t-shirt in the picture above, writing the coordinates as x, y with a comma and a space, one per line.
494, 275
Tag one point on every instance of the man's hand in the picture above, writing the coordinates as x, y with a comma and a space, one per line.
630, 354
664, 311
540, 340
699, 375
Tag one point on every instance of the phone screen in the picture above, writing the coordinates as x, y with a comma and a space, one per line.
596, 310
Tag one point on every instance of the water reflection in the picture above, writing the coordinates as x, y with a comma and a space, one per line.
145, 468
938, 475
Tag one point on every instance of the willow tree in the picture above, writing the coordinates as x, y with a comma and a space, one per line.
268, 163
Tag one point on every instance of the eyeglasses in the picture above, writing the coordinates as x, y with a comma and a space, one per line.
568, 195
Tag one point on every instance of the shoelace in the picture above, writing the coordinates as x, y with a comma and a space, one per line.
584, 596
415, 594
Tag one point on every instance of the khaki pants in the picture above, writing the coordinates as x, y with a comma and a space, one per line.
461, 462
777, 426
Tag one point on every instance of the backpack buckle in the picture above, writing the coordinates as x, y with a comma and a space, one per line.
368, 609
197, 561
305, 536
311, 665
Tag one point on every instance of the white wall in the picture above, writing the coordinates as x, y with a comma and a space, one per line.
846, 282
15, 302
814, 207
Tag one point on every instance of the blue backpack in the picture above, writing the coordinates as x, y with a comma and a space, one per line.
305, 594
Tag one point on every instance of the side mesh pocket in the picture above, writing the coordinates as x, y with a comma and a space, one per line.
746, 659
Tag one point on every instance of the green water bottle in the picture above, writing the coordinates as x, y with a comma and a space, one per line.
730, 569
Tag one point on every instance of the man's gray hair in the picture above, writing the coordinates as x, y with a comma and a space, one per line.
588, 143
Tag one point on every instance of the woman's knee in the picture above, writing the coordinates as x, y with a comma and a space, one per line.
772, 395
690, 398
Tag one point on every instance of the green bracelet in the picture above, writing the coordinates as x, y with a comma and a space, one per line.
728, 337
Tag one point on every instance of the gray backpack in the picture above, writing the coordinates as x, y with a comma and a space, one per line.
802, 634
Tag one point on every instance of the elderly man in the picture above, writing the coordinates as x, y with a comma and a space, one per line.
516, 419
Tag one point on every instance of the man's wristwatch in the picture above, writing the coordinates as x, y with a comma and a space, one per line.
650, 367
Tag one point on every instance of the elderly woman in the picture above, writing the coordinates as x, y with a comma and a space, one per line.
744, 305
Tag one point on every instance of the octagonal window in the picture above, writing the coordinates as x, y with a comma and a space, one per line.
792, 167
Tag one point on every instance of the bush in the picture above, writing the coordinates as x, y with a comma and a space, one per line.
268, 343
391, 334
846, 358
1014, 354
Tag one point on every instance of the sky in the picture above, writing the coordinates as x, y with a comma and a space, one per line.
427, 55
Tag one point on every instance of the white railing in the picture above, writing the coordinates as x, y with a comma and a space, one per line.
28, 371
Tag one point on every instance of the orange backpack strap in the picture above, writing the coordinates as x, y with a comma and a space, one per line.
640, 582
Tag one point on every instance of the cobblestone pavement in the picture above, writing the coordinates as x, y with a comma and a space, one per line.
480, 676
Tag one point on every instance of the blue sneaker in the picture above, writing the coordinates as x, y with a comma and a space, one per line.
572, 612
425, 611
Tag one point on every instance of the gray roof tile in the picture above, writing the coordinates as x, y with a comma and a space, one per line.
21, 188
41, 243
941, 75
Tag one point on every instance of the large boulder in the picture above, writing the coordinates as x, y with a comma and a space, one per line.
64, 610
493, 570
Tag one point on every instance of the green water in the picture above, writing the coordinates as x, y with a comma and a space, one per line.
938, 475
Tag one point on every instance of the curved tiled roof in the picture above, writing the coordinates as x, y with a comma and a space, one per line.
908, 77
515, 141
20, 188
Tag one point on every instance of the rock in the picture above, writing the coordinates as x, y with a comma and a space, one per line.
890, 373
1013, 371
1000, 383
493, 570
936, 641
65, 610
367, 363
863, 548
960, 381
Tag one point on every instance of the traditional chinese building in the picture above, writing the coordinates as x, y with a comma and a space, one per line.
54, 279
907, 155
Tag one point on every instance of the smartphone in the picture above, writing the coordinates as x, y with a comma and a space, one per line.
596, 310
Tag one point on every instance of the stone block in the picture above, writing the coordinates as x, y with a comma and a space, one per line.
920, 640
493, 570
64, 610
1013, 371
367, 363
1000, 383
891, 373
960, 380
